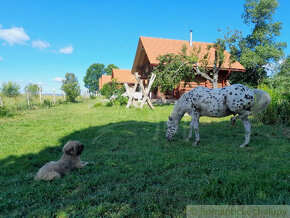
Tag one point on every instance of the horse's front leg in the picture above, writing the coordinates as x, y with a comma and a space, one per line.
247, 126
190, 130
194, 124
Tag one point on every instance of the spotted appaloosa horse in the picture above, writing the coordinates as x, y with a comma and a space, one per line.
221, 102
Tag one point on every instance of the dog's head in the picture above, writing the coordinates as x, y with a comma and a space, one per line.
74, 148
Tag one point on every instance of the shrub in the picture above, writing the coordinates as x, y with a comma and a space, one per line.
112, 88
46, 103
60, 101
122, 100
278, 112
10, 89
32, 89
98, 104
92, 97
4, 112
109, 104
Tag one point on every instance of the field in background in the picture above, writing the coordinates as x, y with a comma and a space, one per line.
20, 102
137, 172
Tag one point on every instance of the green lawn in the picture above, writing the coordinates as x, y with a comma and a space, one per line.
137, 172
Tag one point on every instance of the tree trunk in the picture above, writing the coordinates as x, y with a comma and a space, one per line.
53, 96
40, 95
28, 102
215, 80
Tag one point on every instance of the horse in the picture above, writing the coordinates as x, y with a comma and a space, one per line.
201, 101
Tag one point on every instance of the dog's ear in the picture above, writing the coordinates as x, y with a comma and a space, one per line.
79, 148
170, 118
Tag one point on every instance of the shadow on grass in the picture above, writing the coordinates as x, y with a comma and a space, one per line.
138, 172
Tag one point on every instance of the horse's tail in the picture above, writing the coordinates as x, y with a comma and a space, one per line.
262, 100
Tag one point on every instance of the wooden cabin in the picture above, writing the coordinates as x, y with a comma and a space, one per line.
150, 48
120, 75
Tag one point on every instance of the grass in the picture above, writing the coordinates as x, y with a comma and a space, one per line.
137, 172
14, 105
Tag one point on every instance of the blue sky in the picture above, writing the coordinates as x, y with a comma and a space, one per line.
41, 40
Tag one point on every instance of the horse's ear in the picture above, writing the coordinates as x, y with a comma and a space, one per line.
170, 118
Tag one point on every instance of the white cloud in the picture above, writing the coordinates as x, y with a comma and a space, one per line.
1, 59
14, 35
66, 50
40, 44
40, 83
58, 79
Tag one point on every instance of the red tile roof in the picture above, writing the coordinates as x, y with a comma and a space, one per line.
103, 80
157, 46
123, 76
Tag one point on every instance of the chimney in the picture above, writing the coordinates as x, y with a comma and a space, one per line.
190, 40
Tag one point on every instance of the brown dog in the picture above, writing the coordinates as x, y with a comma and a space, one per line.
69, 160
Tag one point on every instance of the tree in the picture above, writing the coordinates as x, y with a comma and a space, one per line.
109, 68
174, 68
91, 79
10, 89
32, 89
280, 80
285, 68
111, 88
71, 87
259, 48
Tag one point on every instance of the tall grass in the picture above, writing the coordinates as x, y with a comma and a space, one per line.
19, 103
278, 112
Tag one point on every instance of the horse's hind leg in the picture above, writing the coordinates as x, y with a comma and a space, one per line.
241, 115
194, 124
247, 126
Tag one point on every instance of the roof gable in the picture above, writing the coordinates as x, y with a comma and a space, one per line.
155, 47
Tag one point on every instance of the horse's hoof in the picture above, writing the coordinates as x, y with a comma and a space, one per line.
195, 144
188, 139
243, 145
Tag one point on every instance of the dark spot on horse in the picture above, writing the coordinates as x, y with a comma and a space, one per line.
231, 93
236, 94
225, 100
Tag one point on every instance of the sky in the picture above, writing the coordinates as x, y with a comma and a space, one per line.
42, 40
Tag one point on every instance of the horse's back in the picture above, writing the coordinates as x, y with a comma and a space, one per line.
239, 97
208, 102
219, 102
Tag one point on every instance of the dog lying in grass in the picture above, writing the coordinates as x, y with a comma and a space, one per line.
69, 160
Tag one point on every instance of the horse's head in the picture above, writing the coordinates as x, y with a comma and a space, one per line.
172, 127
